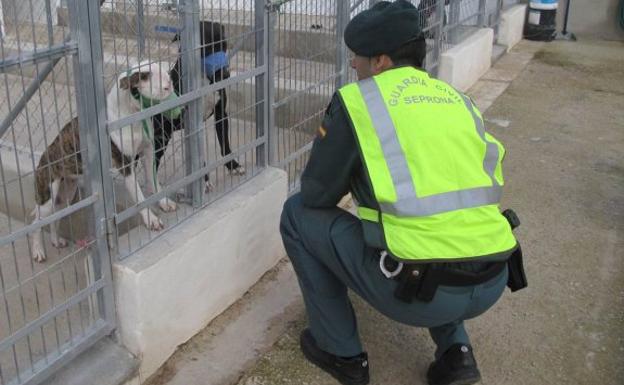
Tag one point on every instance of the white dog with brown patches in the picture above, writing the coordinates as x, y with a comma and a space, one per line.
60, 166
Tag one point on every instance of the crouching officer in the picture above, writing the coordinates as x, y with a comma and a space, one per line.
430, 247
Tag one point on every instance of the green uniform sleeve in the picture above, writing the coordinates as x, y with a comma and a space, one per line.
333, 159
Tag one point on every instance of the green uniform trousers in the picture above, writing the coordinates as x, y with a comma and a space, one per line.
329, 255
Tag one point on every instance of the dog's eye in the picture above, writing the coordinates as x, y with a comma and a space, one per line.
145, 76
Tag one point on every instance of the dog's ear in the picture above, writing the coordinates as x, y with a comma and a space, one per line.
209, 32
131, 81
212, 37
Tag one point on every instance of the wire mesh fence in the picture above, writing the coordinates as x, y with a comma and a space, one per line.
122, 118
55, 295
305, 71
214, 143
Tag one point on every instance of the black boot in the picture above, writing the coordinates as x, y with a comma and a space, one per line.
348, 371
457, 366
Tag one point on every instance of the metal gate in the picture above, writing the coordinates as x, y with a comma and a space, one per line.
49, 312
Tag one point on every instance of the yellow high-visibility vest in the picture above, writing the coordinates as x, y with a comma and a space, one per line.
435, 172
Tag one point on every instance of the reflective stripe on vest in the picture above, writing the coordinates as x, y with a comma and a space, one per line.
435, 173
408, 204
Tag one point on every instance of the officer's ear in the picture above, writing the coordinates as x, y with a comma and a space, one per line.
380, 63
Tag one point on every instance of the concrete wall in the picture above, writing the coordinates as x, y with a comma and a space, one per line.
597, 18
170, 290
511, 26
462, 65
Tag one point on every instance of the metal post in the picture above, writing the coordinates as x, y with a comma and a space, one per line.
94, 141
565, 18
564, 34
342, 18
262, 113
482, 22
140, 15
49, 22
191, 80
266, 51
453, 21
439, 29
2, 32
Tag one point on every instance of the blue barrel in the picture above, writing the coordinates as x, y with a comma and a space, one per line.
541, 22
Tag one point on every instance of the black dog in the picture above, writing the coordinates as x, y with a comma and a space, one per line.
213, 45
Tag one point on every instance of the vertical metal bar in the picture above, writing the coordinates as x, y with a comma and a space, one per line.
140, 16
2, 32
191, 80
482, 22
453, 21
270, 22
439, 30
30, 141
498, 14
48, 8
95, 143
342, 18
262, 106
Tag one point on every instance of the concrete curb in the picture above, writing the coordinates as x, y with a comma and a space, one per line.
462, 65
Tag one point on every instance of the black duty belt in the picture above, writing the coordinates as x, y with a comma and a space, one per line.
421, 281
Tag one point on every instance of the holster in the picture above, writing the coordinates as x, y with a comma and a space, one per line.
409, 283
515, 266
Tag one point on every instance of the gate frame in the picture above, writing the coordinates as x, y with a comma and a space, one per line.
84, 26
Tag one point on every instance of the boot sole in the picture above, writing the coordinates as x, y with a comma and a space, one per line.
310, 355
463, 381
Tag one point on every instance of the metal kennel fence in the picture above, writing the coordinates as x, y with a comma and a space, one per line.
60, 60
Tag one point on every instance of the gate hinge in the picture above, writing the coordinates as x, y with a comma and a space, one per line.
107, 231
107, 226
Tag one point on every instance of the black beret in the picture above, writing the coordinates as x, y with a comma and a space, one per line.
383, 28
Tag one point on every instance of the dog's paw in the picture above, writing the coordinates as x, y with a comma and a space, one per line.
167, 205
38, 255
152, 221
209, 187
240, 170
83, 243
59, 242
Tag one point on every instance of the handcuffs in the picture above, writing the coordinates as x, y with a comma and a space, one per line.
387, 273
